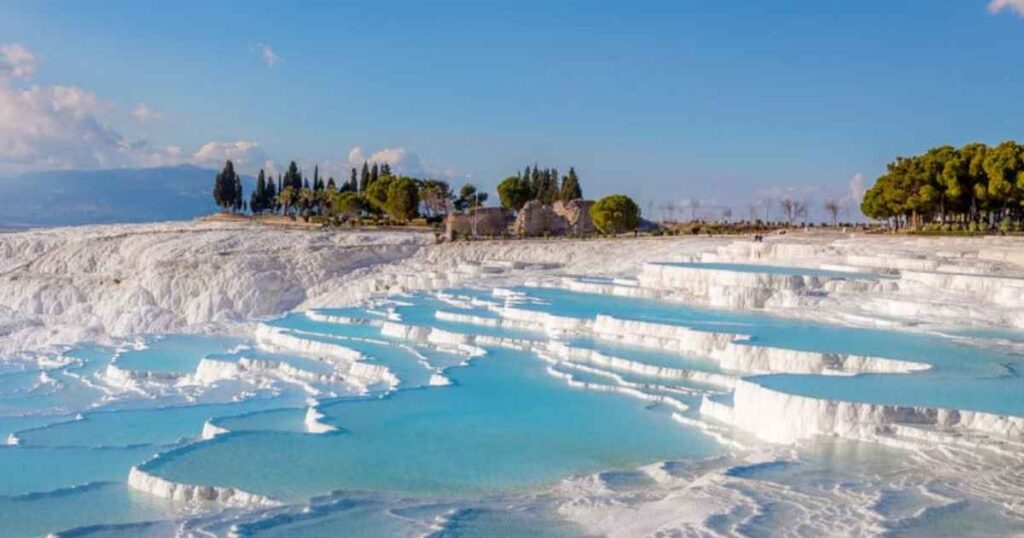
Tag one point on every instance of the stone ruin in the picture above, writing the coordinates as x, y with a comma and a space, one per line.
577, 215
481, 221
572, 217
534, 219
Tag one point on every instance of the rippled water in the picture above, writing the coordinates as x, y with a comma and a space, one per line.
483, 455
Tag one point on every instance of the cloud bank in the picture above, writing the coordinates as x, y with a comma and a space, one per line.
145, 114
997, 6
64, 127
402, 161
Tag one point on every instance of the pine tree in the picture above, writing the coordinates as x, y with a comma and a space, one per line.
331, 184
364, 178
270, 199
292, 178
570, 187
236, 197
224, 186
259, 194
385, 169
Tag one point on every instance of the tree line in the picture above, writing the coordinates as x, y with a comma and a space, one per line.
541, 184
374, 190
974, 187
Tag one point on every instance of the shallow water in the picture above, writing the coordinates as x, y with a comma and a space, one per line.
480, 456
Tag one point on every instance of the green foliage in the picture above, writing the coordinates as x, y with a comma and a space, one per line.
469, 197
347, 204
258, 198
615, 214
514, 192
974, 184
570, 189
377, 194
403, 199
227, 188
437, 196
292, 178
286, 198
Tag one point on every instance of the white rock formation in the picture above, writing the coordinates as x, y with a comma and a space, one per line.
141, 480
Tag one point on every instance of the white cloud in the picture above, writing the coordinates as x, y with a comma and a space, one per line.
268, 55
16, 61
247, 156
402, 161
996, 6
271, 168
58, 127
144, 113
856, 189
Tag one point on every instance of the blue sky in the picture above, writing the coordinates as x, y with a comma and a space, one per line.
722, 101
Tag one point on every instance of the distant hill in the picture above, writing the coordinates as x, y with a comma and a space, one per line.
68, 197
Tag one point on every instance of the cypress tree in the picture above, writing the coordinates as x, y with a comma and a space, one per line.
258, 197
270, 200
570, 187
374, 173
364, 178
224, 186
236, 197
353, 183
292, 178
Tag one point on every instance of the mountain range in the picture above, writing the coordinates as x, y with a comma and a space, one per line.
72, 197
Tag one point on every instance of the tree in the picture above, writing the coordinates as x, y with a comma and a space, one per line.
832, 207
615, 214
307, 202
292, 177
514, 192
1004, 166
788, 208
224, 187
403, 199
469, 198
800, 210
236, 198
377, 194
364, 178
286, 199
257, 200
353, 181
270, 197
436, 195
374, 173
347, 205
570, 189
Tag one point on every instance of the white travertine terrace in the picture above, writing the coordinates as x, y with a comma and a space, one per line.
140, 480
